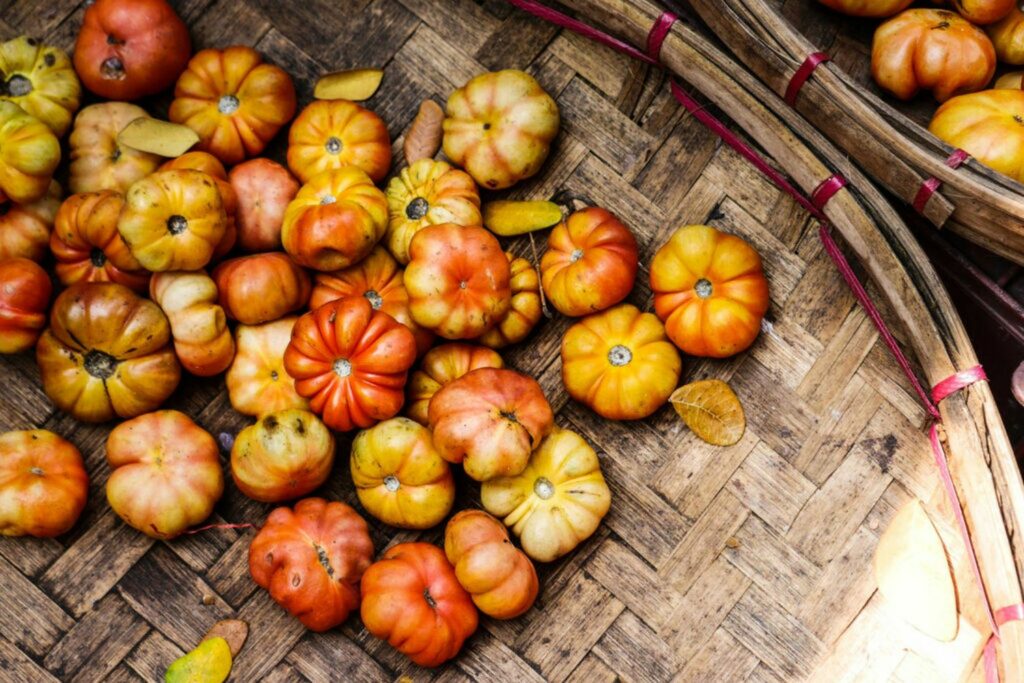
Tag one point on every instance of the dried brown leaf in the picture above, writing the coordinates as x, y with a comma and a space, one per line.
424, 136
356, 85
711, 410
234, 631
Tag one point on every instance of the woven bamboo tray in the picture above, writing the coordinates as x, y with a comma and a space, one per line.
889, 139
745, 563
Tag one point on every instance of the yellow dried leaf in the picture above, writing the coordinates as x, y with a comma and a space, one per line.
507, 218
424, 136
234, 631
356, 85
711, 410
210, 662
157, 137
1011, 81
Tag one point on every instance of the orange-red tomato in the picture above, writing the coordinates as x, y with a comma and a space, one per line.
43, 484
379, 280
165, 473
710, 290
413, 600
458, 280
25, 228
127, 49
590, 263
262, 287
500, 577
351, 362
88, 247
332, 134
490, 420
311, 559
525, 310
441, 365
264, 189
931, 49
233, 101
24, 295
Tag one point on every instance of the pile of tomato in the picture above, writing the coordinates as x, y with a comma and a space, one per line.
331, 303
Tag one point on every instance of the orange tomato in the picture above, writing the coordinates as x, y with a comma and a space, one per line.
257, 381
620, 363
335, 220
165, 473
233, 101
24, 295
590, 263
929, 49
88, 247
98, 161
986, 125
262, 287
1008, 37
29, 154
331, 134
459, 281
983, 12
202, 340
43, 484
264, 189
413, 600
351, 362
211, 166
525, 310
441, 365
500, 577
25, 228
710, 290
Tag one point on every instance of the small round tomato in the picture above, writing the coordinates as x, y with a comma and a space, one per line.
710, 290
24, 295
43, 484
459, 281
165, 473
257, 381
262, 287
590, 263
332, 134
284, 455
400, 477
620, 363
441, 365
490, 420
264, 189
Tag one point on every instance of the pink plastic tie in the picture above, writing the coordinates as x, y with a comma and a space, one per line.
803, 74
826, 190
932, 185
658, 33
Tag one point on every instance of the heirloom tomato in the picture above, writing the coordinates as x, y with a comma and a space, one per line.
25, 228
40, 79
525, 310
257, 381
987, 126
43, 484
29, 154
264, 189
24, 296
262, 287
441, 365
202, 340
332, 134
98, 160
211, 166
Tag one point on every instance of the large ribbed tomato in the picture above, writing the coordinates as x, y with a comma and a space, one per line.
987, 126
399, 476
311, 559
428, 193
351, 362
620, 363
264, 189
24, 295
43, 484
441, 365
29, 154
98, 161
412, 599
335, 220
499, 576
458, 280
557, 502
285, 455
379, 279
332, 134
490, 420
165, 473
25, 228
106, 353
39, 79
233, 101
211, 166
173, 220
499, 127
257, 381
710, 290
590, 263
262, 287
127, 49
202, 340
931, 49
88, 247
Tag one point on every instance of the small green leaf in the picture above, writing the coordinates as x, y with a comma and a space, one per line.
210, 662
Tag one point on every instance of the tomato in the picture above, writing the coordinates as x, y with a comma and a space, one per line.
25, 228
43, 484
257, 381
986, 126
202, 340
264, 189
211, 166
441, 365
24, 296
262, 287
285, 455
98, 161
332, 134
39, 79
526, 308
29, 154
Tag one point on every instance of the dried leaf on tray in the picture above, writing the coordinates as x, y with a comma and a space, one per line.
507, 217
711, 410
157, 137
209, 662
234, 631
424, 136
356, 85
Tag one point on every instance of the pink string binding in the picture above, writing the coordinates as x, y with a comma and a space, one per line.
932, 185
815, 206
803, 74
